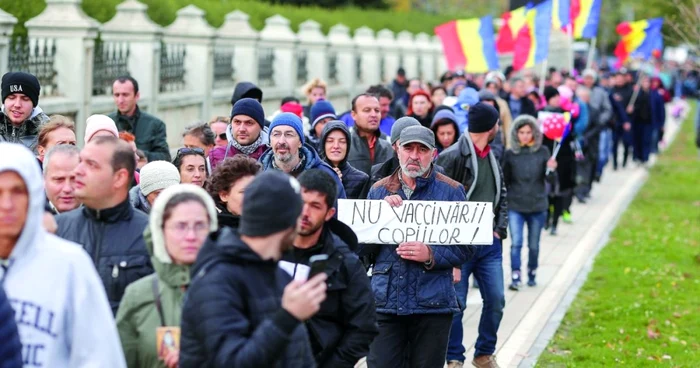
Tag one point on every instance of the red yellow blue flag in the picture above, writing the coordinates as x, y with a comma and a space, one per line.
469, 44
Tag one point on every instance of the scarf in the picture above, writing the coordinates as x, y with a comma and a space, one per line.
297, 169
249, 149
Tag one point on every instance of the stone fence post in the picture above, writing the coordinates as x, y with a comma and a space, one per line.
388, 46
426, 57
440, 61
348, 69
236, 32
74, 33
370, 58
409, 54
312, 48
7, 22
277, 37
132, 25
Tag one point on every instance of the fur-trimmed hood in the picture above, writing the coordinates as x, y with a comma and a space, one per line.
518, 123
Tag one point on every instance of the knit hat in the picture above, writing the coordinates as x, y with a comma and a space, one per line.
294, 108
249, 107
444, 115
288, 119
486, 95
96, 123
271, 203
482, 117
320, 110
21, 82
158, 175
550, 92
401, 124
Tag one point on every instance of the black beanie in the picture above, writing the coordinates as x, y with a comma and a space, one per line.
21, 82
249, 107
482, 117
271, 203
550, 92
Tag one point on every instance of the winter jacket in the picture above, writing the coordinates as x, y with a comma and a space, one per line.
599, 105
355, 182
150, 133
113, 238
526, 107
138, 200
11, 347
404, 287
468, 97
227, 219
27, 133
232, 315
60, 306
358, 152
246, 90
566, 159
525, 170
313, 161
459, 162
642, 113
341, 332
424, 121
219, 153
658, 109
506, 121
138, 317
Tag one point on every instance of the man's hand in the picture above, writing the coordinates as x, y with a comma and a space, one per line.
303, 299
627, 126
413, 251
495, 235
394, 200
456, 275
172, 359
552, 164
630, 109
617, 97
50, 223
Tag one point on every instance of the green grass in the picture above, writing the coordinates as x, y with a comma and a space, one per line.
163, 12
640, 306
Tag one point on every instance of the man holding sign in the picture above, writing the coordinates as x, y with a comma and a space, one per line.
412, 282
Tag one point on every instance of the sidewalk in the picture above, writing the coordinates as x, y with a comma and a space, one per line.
532, 315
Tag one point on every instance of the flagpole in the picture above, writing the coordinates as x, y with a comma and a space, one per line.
591, 52
543, 77
570, 34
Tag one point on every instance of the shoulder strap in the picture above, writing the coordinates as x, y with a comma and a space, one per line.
156, 298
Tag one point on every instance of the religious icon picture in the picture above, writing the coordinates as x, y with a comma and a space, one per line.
167, 340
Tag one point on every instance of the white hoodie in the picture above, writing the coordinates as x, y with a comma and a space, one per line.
60, 305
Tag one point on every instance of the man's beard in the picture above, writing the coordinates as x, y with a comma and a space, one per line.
414, 173
283, 157
311, 230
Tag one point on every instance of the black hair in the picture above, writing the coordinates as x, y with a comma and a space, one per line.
202, 131
381, 91
128, 78
123, 155
289, 99
184, 152
317, 180
179, 199
366, 94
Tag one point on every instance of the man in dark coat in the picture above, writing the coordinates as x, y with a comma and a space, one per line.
369, 145
518, 102
340, 333
383, 169
108, 226
472, 163
237, 312
150, 132
333, 149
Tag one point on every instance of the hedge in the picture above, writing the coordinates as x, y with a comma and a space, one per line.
163, 12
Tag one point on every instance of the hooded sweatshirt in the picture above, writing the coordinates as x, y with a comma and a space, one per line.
60, 305
355, 182
468, 97
25, 134
138, 317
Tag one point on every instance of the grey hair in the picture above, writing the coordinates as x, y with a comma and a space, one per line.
202, 131
67, 149
583, 89
514, 80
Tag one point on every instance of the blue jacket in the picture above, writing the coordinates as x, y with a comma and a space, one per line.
405, 287
658, 109
11, 347
313, 161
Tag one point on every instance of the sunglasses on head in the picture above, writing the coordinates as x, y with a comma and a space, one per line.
187, 150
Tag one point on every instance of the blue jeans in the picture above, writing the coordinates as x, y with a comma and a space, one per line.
487, 267
535, 223
604, 150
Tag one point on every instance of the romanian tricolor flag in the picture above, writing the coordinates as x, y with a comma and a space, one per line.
512, 22
642, 38
585, 16
532, 42
469, 44
561, 14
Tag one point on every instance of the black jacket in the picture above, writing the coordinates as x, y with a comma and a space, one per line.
358, 151
232, 315
150, 133
526, 107
341, 332
355, 182
114, 240
459, 163
227, 219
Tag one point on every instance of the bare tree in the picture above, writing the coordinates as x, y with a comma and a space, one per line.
686, 24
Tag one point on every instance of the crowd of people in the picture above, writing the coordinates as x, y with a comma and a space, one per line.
117, 254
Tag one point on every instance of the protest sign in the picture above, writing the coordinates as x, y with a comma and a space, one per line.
430, 222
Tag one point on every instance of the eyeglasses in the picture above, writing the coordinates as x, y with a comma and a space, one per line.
184, 228
188, 150
287, 135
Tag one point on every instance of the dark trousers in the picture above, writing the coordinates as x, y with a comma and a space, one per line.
414, 341
642, 136
621, 136
561, 203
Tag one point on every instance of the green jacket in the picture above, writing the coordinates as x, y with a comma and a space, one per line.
150, 133
138, 319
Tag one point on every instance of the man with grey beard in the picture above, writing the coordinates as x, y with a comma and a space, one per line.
412, 281
289, 152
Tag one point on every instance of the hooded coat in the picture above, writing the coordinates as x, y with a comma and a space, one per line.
355, 182
232, 315
138, 317
60, 305
138, 200
313, 161
27, 133
525, 170
468, 97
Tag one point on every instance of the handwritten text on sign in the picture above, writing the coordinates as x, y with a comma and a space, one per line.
430, 222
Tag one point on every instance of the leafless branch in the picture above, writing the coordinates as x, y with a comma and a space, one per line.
686, 25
